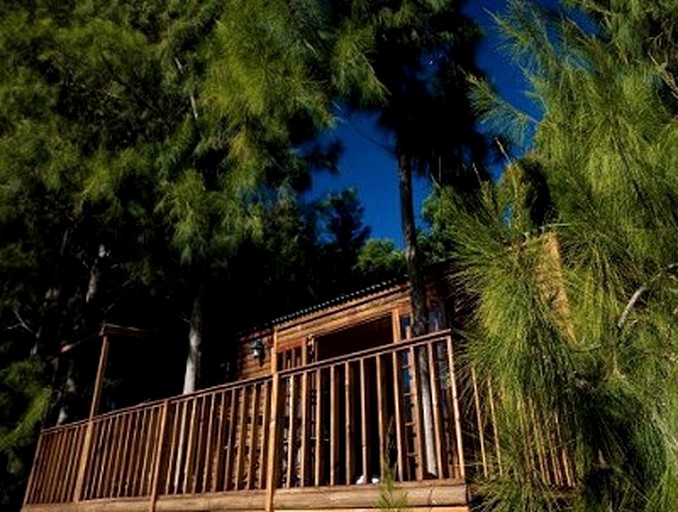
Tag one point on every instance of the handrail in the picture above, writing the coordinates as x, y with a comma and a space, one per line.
244, 382
159, 402
354, 356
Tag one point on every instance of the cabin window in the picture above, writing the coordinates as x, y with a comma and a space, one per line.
289, 359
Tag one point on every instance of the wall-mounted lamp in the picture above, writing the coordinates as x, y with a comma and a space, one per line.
258, 350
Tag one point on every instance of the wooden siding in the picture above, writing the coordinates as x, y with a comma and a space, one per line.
294, 333
247, 366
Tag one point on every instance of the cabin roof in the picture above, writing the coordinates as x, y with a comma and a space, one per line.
335, 301
436, 269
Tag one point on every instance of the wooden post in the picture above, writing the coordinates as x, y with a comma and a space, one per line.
94, 407
273, 437
99, 382
155, 475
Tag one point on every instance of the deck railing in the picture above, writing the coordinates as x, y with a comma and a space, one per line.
343, 421
348, 420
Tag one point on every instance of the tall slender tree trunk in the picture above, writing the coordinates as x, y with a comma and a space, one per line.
412, 255
418, 300
195, 334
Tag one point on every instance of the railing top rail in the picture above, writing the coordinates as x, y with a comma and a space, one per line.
382, 349
158, 403
400, 345
67, 426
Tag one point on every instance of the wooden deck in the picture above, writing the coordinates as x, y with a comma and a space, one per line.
316, 437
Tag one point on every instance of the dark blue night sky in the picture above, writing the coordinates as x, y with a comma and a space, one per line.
371, 170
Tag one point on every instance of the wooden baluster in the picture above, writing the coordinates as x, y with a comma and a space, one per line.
199, 459
146, 433
348, 404
365, 423
124, 455
381, 418
172, 454
151, 425
242, 433
44, 471
265, 433
114, 456
62, 466
252, 443
193, 432
397, 400
209, 452
334, 426
179, 454
157, 459
317, 470
290, 431
105, 437
304, 452
49, 463
128, 476
135, 447
103, 465
45, 482
419, 449
230, 439
219, 445
52, 487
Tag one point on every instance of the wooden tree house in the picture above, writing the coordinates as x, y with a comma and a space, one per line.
335, 398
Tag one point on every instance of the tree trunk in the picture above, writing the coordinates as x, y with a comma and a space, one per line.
192, 375
68, 394
418, 300
412, 256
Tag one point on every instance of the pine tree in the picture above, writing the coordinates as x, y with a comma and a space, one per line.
594, 343
422, 55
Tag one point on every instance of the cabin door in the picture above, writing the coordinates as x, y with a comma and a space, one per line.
342, 343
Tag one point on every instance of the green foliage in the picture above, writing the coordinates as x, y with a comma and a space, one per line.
380, 257
584, 329
390, 498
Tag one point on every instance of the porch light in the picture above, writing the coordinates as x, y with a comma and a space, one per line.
258, 350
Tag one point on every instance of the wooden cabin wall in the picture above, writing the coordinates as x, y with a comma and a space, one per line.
292, 336
247, 366
295, 333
